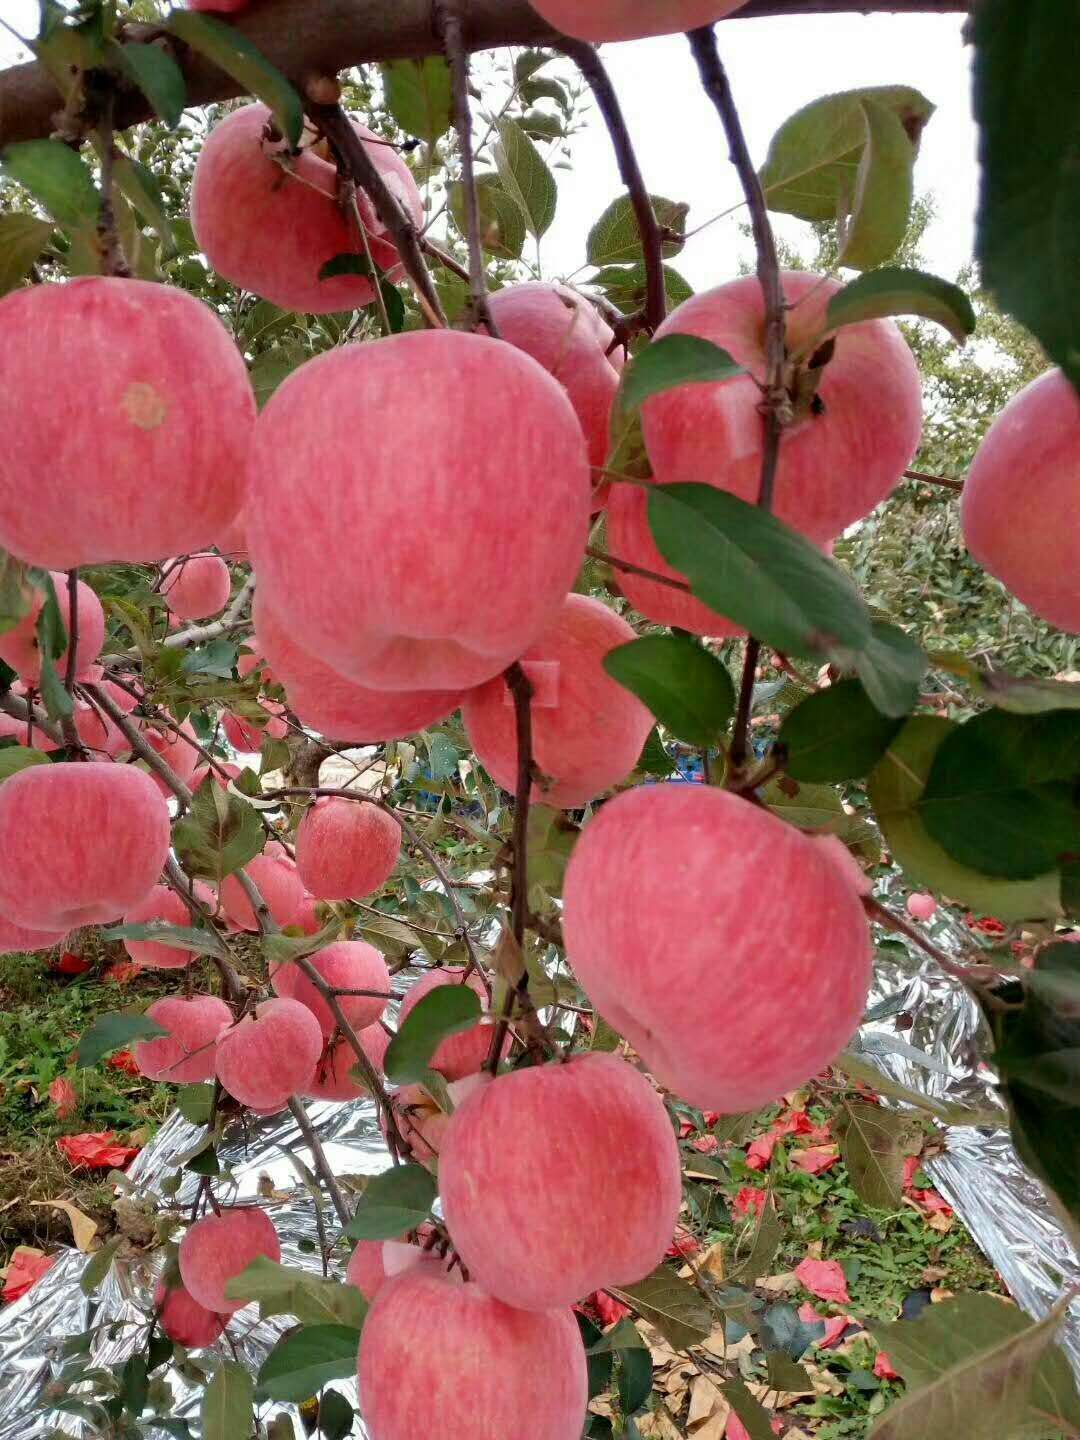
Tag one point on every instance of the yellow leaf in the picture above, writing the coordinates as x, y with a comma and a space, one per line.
83, 1229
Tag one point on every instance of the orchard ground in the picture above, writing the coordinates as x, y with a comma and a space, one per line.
892, 1262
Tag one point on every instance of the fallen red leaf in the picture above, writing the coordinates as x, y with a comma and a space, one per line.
911, 1169
759, 1152
63, 1096
123, 1060
749, 1201
71, 964
883, 1367
835, 1325
122, 973
815, 1158
825, 1279
706, 1144
609, 1309
931, 1201
682, 1245
24, 1270
98, 1151
736, 1430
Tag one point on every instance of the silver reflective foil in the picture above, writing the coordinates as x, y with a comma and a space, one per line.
937, 1055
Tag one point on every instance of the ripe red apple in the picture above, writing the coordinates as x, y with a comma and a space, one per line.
165, 905
19, 940
332, 1080
217, 1248
186, 1055
197, 587
509, 1142
406, 609
599, 20
587, 730
345, 965
271, 229
276, 877
231, 542
327, 702
346, 849
373, 1262
81, 843
561, 330
19, 646
365, 1269
729, 949
464, 1053
1030, 457
184, 1320
270, 1056
921, 907
133, 460
514, 1373
178, 749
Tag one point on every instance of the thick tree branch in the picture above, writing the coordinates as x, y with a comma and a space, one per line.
318, 1156
139, 745
304, 40
592, 67
31, 715
776, 405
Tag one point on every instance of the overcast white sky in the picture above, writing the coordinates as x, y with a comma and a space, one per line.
775, 66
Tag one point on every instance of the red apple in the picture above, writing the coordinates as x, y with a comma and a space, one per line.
346, 965
197, 587
185, 1320
332, 1080
82, 843
217, 1248
133, 460
599, 20
464, 1053
18, 940
408, 608
346, 849
921, 907
705, 930
19, 646
275, 875
587, 730
186, 1055
271, 228
162, 904
270, 1056
1020, 509
440, 1358
564, 1145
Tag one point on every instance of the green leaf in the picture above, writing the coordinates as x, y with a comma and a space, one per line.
1023, 695
195, 1103
685, 686
228, 1407
269, 369
671, 1305
634, 1379
14, 758
204, 1162
444, 1011
812, 167
891, 668
134, 1384
884, 190
654, 759
347, 263
871, 1141
956, 1356
217, 658
335, 1415
525, 175
782, 1332
616, 240
230, 50
626, 286
52, 641
528, 62
220, 834
751, 567
899, 291
1003, 793
15, 587
1028, 109
1038, 1056
671, 361
303, 1361
856, 1067
503, 224
786, 1374
183, 937
159, 77
57, 177
623, 1336
22, 239
835, 734
764, 1244
895, 787
751, 1412
99, 1265
419, 96
111, 1032
398, 1200
139, 186
288, 1290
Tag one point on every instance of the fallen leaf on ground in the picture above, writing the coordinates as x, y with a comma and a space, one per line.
814, 1159
98, 1151
63, 1096
825, 1279
25, 1270
83, 1229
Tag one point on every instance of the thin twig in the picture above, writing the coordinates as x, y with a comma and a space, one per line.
444, 258
318, 1155
967, 974
234, 987
632, 569
592, 67
448, 13
776, 404
358, 164
139, 745
72, 629
945, 481
198, 634
31, 715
